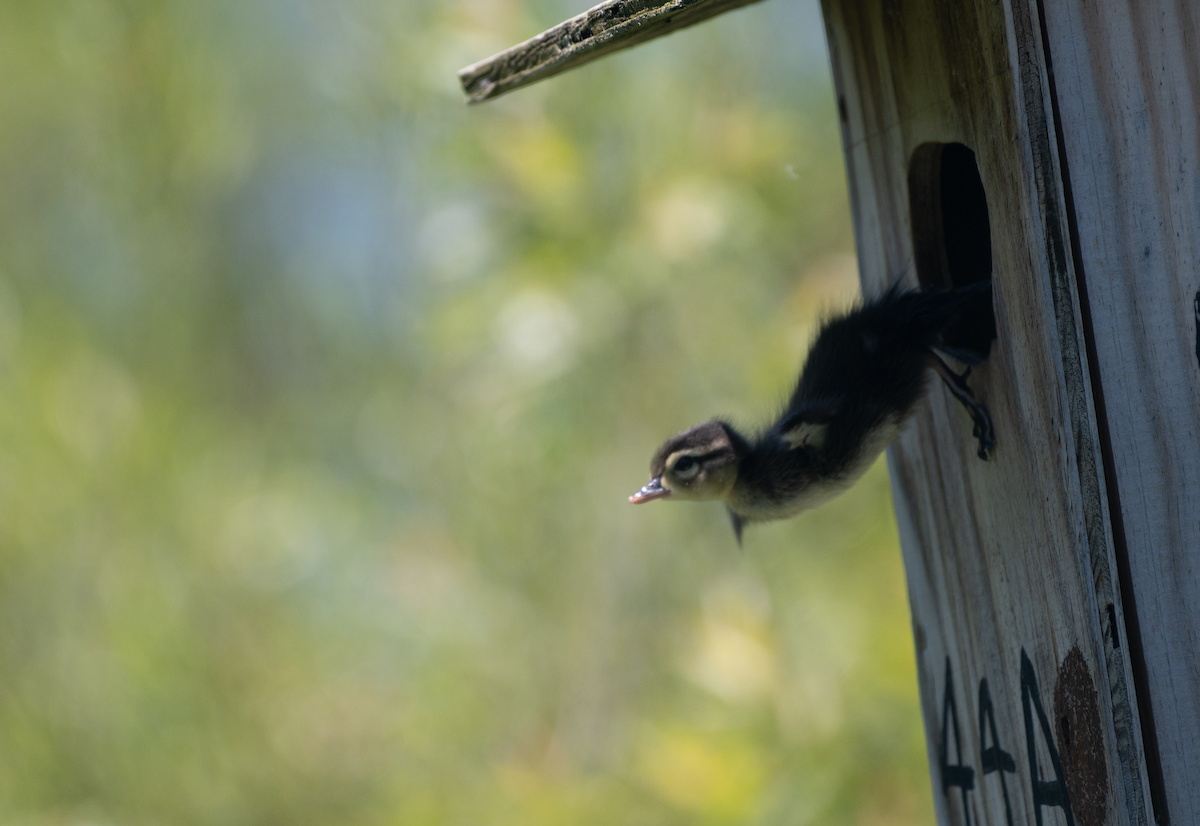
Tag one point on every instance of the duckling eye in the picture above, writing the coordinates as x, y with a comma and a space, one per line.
685, 467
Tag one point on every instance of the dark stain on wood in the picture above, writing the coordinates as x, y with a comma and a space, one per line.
1080, 740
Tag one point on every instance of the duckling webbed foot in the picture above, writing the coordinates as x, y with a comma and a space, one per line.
983, 429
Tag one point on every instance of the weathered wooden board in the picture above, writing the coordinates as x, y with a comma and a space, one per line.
1025, 676
1127, 76
601, 30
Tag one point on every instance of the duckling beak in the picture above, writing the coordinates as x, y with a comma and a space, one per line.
653, 490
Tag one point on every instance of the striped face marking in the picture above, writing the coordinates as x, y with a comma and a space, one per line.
699, 463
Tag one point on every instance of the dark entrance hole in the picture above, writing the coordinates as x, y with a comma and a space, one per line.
952, 237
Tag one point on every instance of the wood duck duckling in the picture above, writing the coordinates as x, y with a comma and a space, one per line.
862, 379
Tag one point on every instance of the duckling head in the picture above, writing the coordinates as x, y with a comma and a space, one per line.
698, 464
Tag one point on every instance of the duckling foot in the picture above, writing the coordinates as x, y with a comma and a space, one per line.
983, 429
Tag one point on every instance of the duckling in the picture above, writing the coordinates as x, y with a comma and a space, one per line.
862, 379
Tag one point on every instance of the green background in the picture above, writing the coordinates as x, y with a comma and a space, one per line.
322, 395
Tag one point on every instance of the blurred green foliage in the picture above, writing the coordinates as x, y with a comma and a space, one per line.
323, 393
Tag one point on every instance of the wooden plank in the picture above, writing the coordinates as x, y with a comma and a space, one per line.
601, 30
1128, 94
1009, 563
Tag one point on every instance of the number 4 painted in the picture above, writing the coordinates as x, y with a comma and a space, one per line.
1045, 792
955, 774
993, 758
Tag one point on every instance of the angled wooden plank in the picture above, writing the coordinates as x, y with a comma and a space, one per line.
601, 30
1128, 92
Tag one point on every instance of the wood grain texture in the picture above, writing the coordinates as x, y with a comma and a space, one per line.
601, 30
1127, 79
1013, 558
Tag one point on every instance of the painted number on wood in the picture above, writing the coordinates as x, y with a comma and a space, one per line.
993, 759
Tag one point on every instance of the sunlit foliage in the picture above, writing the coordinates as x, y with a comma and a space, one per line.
322, 394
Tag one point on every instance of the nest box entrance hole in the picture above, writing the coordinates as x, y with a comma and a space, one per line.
952, 237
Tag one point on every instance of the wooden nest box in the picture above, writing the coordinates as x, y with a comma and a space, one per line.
1052, 146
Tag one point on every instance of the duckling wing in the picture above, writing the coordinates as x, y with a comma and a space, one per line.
807, 427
